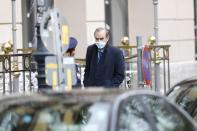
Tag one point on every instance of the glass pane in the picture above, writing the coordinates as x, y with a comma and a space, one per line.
165, 116
189, 100
185, 97
175, 93
55, 117
132, 117
149, 112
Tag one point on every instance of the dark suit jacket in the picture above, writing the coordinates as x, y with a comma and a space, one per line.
109, 72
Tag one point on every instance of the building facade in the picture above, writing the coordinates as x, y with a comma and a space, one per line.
176, 19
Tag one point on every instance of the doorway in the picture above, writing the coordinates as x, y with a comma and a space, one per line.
116, 19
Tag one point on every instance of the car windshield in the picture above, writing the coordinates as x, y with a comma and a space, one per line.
55, 117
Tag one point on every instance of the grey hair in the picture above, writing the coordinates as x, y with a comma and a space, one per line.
101, 28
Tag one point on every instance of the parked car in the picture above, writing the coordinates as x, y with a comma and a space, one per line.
185, 95
92, 110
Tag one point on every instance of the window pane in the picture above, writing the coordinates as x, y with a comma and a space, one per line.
132, 117
165, 117
149, 112
55, 117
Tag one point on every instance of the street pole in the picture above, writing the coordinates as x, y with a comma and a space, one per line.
15, 59
41, 53
157, 69
139, 61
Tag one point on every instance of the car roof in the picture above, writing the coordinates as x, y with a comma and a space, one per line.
191, 80
89, 95
188, 83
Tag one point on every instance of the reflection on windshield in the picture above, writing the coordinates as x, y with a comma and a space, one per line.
147, 113
132, 117
55, 117
163, 113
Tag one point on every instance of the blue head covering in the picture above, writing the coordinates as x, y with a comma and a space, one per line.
72, 44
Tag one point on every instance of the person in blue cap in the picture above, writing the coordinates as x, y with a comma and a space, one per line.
71, 52
72, 45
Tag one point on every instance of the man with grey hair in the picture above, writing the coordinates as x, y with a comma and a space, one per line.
104, 62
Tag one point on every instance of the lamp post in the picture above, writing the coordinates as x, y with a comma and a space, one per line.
15, 59
157, 67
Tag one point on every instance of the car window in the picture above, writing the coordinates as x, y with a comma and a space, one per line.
147, 113
175, 93
186, 97
189, 99
132, 117
55, 117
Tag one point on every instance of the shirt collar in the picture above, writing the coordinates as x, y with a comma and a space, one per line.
101, 50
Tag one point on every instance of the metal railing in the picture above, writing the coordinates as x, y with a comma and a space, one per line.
130, 55
159, 54
10, 69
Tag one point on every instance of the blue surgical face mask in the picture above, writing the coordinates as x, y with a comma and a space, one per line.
100, 45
